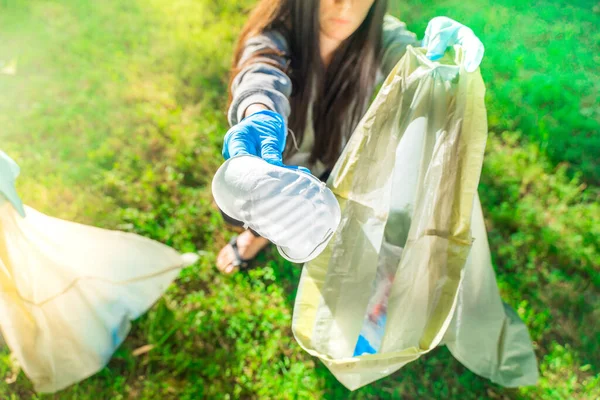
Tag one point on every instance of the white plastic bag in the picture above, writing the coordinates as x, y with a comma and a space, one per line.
407, 186
69, 291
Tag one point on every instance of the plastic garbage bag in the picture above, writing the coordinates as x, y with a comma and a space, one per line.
409, 266
69, 291
291, 208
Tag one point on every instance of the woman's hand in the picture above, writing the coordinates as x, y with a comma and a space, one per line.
260, 134
442, 32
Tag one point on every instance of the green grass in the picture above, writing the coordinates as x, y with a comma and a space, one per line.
541, 69
116, 116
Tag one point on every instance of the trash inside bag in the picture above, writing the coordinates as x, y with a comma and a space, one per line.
373, 328
291, 208
409, 267
69, 291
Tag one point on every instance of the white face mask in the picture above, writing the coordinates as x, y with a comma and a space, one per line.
292, 209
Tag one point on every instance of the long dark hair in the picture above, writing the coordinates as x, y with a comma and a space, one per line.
343, 89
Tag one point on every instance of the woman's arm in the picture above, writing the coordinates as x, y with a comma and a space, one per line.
261, 83
395, 39
255, 107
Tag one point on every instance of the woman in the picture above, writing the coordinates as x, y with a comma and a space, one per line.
312, 66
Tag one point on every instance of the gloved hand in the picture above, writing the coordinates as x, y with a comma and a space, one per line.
9, 170
260, 134
442, 32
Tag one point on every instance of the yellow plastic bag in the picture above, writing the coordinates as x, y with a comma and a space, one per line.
407, 186
68, 291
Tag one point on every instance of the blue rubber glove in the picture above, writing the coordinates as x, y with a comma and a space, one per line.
9, 170
260, 134
443, 32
